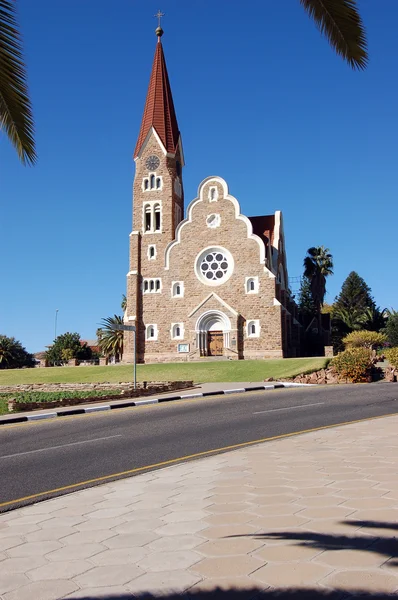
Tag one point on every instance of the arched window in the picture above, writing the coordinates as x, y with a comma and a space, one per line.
152, 252
151, 332
213, 194
157, 217
157, 285
145, 286
177, 331
152, 285
253, 329
152, 180
146, 184
251, 285
158, 183
148, 218
177, 289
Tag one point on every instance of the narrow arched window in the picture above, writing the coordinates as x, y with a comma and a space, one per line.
157, 285
158, 183
145, 286
152, 285
148, 218
177, 331
251, 285
151, 332
152, 179
178, 290
252, 329
151, 251
157, 217
146, 184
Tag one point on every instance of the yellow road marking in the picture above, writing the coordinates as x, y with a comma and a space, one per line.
190, 456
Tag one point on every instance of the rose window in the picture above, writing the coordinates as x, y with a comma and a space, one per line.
214, 266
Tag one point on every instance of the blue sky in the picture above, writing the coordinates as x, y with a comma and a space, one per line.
261, 100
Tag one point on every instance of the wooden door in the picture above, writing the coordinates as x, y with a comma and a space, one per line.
215, 343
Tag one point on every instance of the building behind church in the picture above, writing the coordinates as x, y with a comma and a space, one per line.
214, 283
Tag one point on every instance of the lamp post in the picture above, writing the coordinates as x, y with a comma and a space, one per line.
55, 326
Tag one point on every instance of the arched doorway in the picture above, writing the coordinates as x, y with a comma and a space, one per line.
212, 333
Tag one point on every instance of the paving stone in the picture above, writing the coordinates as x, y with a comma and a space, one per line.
93, 524
165, 581
34, 549
371, 581
107, 513
87, 537
278, 522
138, 526
119, 556
247, 589
18, 530
169, 561
172, 543
181, 528
42, 590
11, 582
75, 552
65, 569
298, 575
188, 515
230, 518
21, 565
227, 566
328, 512
10, 542
114, 592
130, 540
230, 546
351, 558
49, 535
226, 531
287, 553
108, 575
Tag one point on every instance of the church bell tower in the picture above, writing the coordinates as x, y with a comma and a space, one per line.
158, 197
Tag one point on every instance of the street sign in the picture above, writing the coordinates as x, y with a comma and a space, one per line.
123, 327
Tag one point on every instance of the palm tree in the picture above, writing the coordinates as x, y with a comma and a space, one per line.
340, 22
110, 340
123, 304
317, 266
16, 117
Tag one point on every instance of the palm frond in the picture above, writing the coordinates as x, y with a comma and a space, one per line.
16, 117
340, 22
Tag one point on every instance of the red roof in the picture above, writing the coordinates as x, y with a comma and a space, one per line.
159, 110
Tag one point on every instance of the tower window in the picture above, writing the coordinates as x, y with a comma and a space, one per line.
213, 194
253, 329
148, 218
177, 331
177, 289
151, 252
158, 183
152, 286
151, 332
157, 217
152, 181
251, 285
146, 184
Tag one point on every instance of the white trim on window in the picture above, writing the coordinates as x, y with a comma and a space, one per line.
177, 331
251, 285
152, 252
175, 292
253, 328
152, 183
152, 216
151, 332
213, 193
152, 286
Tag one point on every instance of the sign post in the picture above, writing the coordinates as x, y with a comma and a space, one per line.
132, 328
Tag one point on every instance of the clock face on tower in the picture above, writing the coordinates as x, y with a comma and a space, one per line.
152, 163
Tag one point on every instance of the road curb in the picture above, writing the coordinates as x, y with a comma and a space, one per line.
101, 408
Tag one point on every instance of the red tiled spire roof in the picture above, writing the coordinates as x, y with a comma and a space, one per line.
159, 110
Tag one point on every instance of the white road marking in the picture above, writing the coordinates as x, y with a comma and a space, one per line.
61, 446
287, 408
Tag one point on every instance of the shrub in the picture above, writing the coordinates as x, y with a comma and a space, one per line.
364, 339
354, 364
391, 355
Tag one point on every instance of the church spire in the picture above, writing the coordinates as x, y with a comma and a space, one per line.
159, 110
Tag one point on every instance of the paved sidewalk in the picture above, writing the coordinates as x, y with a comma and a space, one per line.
317, 511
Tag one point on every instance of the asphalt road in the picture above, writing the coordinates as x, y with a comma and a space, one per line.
39, 457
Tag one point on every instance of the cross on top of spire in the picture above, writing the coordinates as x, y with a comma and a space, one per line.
159, 30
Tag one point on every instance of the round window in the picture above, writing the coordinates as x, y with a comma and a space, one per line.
214, 266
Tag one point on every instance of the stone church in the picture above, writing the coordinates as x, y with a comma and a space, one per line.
207, 281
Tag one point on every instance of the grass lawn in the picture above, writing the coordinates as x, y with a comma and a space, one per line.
199, 372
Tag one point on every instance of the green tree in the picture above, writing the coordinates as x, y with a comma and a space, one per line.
355, 295
67, 346
123, 304
13, 355
16, 117
340, 22
391, 329
305, 303
318, 265
110, 340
